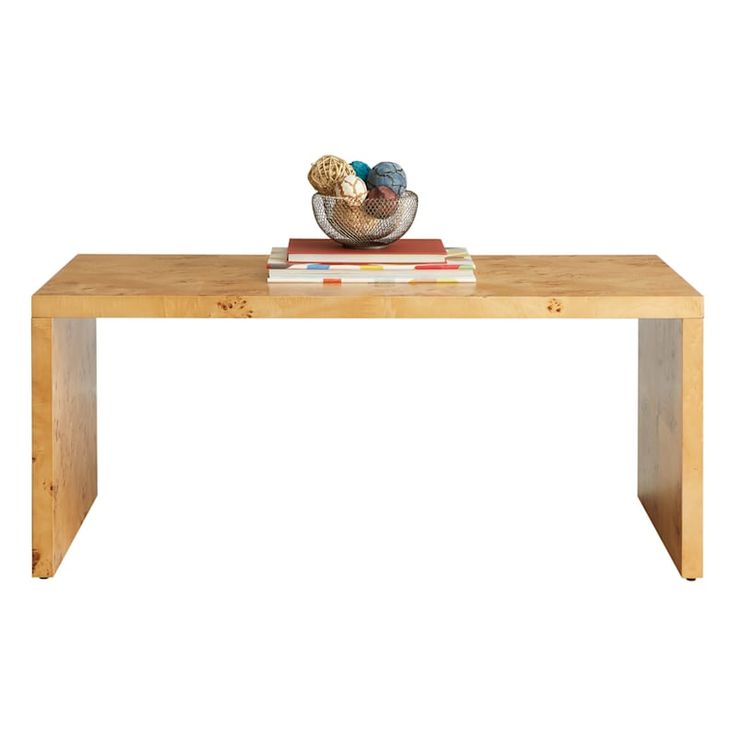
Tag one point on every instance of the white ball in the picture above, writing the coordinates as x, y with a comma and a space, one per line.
352, 189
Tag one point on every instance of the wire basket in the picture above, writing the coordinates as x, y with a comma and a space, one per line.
374, 224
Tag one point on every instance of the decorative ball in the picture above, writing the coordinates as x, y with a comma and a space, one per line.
352, 221
387, 174
328, 171
382, 202
362, 170
352, 189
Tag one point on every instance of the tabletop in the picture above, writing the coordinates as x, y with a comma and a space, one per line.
639, 286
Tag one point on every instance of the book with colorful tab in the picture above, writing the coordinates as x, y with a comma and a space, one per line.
457, 268
377, 277
406, 250
457, 258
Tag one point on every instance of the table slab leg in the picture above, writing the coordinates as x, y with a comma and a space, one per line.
64, 368
671, 436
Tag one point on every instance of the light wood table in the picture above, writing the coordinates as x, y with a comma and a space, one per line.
669, 310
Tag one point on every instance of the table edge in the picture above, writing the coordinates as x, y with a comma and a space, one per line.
376, 306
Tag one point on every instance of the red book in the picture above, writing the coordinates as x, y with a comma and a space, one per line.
405, 250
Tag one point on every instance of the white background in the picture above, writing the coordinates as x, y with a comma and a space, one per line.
367, 527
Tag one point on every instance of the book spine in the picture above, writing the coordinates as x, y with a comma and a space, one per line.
464, 265
348, 280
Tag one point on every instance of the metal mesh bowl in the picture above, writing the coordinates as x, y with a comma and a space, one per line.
373, 224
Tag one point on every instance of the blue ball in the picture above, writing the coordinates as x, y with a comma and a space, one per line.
387, 174
361, 170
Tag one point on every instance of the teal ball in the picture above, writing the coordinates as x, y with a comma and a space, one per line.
361, 170
387, 174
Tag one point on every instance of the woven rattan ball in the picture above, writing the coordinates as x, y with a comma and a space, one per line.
327, 172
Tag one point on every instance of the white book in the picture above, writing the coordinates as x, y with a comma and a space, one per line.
457, 259
284, 276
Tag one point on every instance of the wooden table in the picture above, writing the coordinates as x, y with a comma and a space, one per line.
669, 310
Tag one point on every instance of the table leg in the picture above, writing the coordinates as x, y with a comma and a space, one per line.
671, 436
64, 435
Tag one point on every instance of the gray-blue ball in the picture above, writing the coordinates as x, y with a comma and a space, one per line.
387, 174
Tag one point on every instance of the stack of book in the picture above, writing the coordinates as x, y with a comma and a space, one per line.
407, 261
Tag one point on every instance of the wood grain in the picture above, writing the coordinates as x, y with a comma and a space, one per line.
235, 286
671, 436
64, 435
